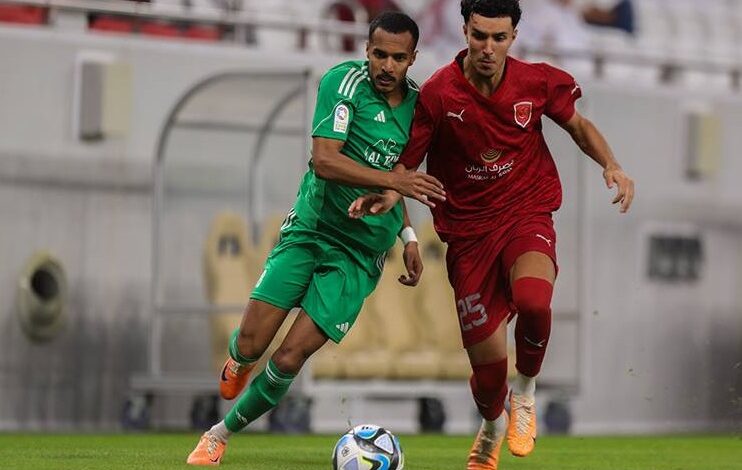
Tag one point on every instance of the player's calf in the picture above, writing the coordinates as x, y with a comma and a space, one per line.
236, 370
489, 387
532, 299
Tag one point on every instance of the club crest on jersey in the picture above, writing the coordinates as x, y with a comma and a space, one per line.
342, 115
491, 156
523, 112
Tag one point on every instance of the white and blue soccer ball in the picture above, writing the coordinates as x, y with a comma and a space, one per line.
368, 447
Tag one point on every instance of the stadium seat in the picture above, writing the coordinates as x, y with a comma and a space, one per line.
403, 334
654, 25
228, 281
203, 32
360, 355
437, 307
327, 363
114, 24
270, 230
160, 29
726, 24
22, 14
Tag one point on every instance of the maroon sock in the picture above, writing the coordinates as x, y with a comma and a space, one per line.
532, 299
489, 386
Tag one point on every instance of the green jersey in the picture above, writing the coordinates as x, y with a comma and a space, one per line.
350, 109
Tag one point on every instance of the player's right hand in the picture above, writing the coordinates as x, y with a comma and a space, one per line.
420, 186
625, 187
373, 204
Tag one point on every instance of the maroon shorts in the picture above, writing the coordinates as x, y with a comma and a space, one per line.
479, 268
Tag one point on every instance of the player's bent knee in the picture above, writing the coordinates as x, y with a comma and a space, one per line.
532, 296
289, 360
529, 307
249, 346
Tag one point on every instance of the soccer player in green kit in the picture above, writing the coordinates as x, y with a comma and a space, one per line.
325, 262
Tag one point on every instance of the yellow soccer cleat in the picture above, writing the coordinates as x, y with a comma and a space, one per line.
485, 453
522, 428
233, 379
208, 452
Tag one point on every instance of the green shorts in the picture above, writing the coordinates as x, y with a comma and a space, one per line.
321, 277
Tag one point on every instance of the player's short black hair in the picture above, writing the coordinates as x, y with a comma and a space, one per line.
492, 9
395, 22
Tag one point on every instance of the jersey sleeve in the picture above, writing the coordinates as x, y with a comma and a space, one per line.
334, 110
561, 93
424, 125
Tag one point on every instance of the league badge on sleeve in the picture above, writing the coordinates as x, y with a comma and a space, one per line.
523, 112
342, 115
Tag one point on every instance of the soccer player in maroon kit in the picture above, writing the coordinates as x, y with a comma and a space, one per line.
478, 119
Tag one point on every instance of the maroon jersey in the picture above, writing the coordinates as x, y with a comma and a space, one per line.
489, 152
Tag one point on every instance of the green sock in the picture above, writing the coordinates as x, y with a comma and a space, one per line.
265, 391
234, 352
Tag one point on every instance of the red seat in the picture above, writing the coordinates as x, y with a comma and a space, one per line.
118, 24
203, 33
157, 28
343, 12
22, 14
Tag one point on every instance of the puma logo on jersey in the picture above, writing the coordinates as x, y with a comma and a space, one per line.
479, 403
547, 240
459, 116
540, 344
380, 117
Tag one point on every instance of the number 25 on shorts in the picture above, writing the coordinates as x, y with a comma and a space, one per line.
467, 306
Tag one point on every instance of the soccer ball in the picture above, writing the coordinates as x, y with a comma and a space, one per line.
368, 447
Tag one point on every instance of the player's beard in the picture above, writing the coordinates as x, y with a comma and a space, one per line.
387, 85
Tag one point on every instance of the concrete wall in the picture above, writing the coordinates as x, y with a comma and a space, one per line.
645, 355
665, 354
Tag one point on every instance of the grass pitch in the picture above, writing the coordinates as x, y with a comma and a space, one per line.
427, 452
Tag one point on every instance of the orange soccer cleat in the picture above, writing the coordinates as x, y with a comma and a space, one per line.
233, 379
522, 428
485, 453
208, 452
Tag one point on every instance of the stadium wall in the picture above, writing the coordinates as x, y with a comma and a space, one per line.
646, 355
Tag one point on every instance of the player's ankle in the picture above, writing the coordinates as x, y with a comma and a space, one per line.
524, 385
220, 432
497, 427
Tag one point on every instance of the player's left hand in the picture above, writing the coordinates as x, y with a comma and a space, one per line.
413, 263
625, 187
373, 204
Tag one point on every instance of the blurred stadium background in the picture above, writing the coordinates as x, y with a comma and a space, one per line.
148, 152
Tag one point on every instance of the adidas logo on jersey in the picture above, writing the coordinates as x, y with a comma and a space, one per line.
344, 327
380, 117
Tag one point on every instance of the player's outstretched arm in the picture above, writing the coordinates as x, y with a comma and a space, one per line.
373, 204
332, 165
591, 142
381, 203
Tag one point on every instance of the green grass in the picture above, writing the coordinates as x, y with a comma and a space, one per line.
430, 452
